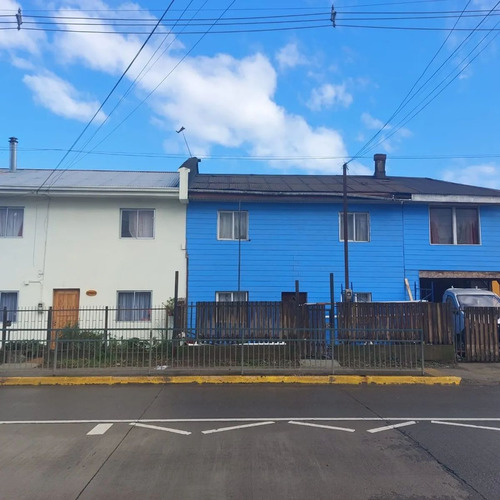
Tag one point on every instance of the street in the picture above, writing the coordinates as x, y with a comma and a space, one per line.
250, 442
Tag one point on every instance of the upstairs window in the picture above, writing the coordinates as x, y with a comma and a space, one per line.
232, 225
358, 226
134, 306
231, 296
11, 222
8, 300
454, 226
137, 223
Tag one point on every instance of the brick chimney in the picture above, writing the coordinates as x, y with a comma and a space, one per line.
379, 166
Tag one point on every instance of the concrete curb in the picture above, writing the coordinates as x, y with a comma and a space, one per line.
234, 379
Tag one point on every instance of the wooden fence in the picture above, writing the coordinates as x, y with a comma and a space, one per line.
260, 320
481, 337
271, 320
395, 320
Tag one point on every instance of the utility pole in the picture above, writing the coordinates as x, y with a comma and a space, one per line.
347, 291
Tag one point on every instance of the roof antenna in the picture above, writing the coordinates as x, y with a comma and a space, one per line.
185, 140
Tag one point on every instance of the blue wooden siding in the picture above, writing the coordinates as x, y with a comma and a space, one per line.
420, 255
291, 242
300, 241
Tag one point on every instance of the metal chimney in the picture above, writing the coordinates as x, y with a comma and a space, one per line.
13, 153
379, 165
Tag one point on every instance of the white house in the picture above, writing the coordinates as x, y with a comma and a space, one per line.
82, 238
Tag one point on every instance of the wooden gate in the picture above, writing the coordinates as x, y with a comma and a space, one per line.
481, 334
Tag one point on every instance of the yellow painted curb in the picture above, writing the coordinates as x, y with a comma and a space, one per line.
10, 381
234, 379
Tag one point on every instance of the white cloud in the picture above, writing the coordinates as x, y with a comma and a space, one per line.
61, 97
221, 100
370, 122
329, 95
290, 57
486, 175
388, 139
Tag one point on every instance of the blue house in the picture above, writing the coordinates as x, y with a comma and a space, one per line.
252, 237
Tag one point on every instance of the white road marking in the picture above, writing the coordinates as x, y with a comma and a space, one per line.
389, 427
235, 427
99, 429
277, 419
465, 425
158, 428
322, 426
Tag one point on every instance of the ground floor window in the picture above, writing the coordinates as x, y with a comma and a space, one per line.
231, 296
134, 306
8, 300
362, 296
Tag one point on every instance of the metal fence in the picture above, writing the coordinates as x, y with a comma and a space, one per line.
297, 341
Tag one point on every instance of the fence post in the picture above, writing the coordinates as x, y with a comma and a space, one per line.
150, 349
106, 313
176, 300
422, 351
332, 321
4, 326
242, 350
4, 331
54, 366
49, 326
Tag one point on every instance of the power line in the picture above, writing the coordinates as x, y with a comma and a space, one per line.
161, 82
370, 143
146, 154
137, 79
107, 97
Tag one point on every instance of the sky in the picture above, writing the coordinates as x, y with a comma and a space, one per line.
258, 86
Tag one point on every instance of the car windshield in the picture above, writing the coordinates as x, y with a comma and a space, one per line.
477, 300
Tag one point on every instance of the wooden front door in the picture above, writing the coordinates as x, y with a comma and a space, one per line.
66, 303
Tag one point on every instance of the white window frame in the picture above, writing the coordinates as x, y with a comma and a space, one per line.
365, 296
134, 309
11, 314
354, 215
454, 230
232, 296
137, 210
21, 209
235, 213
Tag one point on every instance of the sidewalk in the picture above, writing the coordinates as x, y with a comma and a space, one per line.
464, 373
470, 373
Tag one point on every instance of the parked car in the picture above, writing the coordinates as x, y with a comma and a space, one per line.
459, 299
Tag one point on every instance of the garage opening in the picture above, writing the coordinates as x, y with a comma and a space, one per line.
434, 283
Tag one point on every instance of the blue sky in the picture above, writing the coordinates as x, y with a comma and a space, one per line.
287, 101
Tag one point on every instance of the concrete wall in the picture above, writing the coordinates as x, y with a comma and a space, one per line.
75, 243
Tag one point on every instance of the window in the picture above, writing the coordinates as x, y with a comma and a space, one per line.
358, 226
134, 306
8, 300
233, 225
137, 223
362, 296
11, 222
231, 296
454, 226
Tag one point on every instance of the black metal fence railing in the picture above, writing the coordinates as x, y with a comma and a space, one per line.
298, 342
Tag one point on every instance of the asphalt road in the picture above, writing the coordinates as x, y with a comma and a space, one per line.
250, 442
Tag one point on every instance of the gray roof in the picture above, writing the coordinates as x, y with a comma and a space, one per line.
109, 180
329, 185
